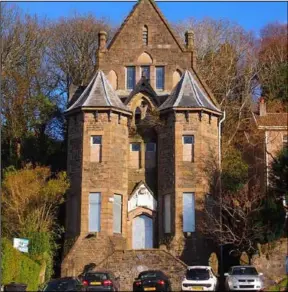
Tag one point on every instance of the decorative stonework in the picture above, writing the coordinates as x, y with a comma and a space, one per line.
142, 197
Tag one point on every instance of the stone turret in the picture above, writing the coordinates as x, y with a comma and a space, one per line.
103, 149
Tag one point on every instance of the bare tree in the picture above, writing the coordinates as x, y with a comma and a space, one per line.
227, 62
72, 49
273, 62
238, 225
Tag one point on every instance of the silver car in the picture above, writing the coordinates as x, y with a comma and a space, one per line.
243, 278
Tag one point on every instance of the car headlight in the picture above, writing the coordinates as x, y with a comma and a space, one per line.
232, 282
259, 283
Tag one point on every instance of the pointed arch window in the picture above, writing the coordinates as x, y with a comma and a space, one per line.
145, 35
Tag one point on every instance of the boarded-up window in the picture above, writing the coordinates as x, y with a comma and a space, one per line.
96, 149
150, 155
130, 77
94, 212
188, 212
167, 213
135, 155
117, 214
188, 148
160, 77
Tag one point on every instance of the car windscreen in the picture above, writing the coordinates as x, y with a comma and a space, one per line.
197, 274
60, 285
96, 277
244, 271
149, 275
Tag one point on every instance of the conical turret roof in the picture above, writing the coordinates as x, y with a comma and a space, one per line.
98, 93
188, 94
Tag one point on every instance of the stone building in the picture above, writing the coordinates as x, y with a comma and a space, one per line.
268, 136
139, 137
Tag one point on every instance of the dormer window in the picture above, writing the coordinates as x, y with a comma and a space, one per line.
145, 35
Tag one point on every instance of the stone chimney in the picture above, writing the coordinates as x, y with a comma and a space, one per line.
262, 107
189, 39
102, 40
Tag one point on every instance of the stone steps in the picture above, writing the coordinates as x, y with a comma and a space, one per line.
109, 253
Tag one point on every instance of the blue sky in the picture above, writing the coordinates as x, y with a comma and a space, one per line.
250, 15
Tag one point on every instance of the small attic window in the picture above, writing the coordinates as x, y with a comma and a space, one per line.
145, 35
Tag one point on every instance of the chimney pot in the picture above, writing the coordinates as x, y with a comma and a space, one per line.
262, 107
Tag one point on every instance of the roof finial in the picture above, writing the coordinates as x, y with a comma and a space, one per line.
102, 40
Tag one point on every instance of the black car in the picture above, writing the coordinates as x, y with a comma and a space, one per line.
64, 284
100, 281
152, 281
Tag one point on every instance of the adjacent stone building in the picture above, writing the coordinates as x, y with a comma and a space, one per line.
139, 138
268, 137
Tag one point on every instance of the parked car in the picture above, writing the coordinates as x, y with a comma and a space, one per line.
199, 278
100, 281
152, 280
64, 284
245, 278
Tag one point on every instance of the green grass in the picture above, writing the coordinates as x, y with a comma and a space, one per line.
281, 284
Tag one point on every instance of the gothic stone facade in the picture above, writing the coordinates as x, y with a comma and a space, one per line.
151, 143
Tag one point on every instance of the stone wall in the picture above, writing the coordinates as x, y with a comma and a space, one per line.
129, 263
74, 170
274, 144
90, 251
272, 262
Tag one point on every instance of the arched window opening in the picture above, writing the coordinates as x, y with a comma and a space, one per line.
137, 115
145, 59
145, 35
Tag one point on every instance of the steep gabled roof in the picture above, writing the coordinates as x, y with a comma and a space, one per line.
98, 93
188, 94
152, 2
137, 187
144, 86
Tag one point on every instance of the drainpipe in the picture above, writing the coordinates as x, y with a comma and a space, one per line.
220, 192
219, 139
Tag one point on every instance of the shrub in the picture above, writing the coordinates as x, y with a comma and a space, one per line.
17, 267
